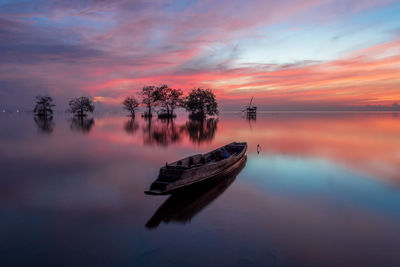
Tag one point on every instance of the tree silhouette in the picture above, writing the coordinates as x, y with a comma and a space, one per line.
169, 99
81, 106
148, 99
44, 107
174, 100
160, 95
200, 103
130, 104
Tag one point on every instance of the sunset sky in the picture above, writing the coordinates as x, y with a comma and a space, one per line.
284, 53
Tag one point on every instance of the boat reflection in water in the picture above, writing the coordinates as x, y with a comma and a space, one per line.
183, 205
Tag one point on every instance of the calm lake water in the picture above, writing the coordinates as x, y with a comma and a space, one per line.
323, 191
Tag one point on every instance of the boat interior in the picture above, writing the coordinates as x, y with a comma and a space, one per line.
210, 157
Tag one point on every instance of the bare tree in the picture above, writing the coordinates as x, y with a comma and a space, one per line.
169, 99
44, 107
174, 100
81, 106
131, 104
148, 99
160, 95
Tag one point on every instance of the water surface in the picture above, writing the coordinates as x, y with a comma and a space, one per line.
323, 191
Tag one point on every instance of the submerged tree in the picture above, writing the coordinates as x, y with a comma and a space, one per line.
169, 99
174, 100
81, 106
44, 107
131, 104
148, 98
160, 95
201, 103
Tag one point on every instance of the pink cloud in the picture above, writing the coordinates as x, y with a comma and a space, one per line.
143, 44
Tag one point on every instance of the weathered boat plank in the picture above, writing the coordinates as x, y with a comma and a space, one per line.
197, 168
184, 204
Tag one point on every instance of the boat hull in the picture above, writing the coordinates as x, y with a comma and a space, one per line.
171, 180
185, 203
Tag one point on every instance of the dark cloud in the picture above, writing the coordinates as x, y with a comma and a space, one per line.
51, 7
13, 92
35, 53
24, 43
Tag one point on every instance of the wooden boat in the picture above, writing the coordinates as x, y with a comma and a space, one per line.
183, 205
197, 168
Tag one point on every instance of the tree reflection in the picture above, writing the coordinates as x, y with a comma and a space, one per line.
81, 124
44, 124
162, 133
131, 126
200, 131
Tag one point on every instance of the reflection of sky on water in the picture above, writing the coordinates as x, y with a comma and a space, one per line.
311, 178
322, 192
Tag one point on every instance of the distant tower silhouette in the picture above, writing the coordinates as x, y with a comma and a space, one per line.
251, 111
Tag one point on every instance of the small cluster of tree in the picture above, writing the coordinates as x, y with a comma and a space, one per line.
199, 103
78, 106
169, 99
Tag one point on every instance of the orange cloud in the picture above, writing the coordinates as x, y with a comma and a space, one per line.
367, 76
